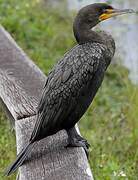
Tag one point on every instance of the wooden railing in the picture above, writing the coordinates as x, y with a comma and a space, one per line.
21, 83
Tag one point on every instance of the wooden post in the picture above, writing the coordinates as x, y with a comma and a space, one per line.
21, 82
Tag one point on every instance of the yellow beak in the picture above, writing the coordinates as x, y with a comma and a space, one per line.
114, 12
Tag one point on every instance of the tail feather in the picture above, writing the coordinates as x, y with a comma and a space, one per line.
19, 160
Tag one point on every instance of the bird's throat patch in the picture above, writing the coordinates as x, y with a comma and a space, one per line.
105, 16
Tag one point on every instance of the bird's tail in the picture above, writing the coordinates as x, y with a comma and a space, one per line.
19, 160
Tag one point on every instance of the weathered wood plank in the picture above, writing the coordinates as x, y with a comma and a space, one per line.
21, 83
49, 158
21, 80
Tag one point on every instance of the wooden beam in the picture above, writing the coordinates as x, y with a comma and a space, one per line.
50, 159
21, 82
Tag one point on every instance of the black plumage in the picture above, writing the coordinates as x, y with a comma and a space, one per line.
70, 88
74, 81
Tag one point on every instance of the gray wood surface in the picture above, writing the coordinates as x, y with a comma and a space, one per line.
21, 82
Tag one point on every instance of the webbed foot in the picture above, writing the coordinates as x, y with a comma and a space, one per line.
75, 140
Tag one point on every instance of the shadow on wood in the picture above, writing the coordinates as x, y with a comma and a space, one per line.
21, 82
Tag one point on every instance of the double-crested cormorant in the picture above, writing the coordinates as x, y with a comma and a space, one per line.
74, 81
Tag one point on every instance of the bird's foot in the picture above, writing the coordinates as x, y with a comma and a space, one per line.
78, 141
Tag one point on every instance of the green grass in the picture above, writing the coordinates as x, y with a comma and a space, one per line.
7, 145
110, 124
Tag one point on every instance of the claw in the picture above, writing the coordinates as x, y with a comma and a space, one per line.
75, 140
86, 143
86, 151
85, 147
79, 143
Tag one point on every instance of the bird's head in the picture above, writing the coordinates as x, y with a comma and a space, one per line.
89, 16
97, 12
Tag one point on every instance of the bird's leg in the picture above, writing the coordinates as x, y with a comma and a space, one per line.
75, 140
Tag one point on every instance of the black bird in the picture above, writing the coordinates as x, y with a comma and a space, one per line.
74, 81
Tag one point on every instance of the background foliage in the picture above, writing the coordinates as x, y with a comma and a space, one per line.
110, 124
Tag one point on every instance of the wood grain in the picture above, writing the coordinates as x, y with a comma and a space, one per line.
52, 160
21, 82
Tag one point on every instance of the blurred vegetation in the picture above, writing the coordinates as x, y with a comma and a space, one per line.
110, 124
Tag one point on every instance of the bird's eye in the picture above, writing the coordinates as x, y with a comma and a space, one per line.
104, 10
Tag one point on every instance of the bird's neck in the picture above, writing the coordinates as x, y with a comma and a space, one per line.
84, 33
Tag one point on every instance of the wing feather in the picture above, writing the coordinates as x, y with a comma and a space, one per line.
65, 81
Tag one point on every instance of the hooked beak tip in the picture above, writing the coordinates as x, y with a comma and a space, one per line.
129, 11
132, 11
